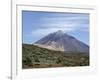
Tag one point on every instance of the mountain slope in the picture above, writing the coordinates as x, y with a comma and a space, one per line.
60, 41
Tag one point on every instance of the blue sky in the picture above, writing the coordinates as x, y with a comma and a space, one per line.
39, 24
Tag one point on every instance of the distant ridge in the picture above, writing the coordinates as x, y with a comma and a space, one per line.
61, 41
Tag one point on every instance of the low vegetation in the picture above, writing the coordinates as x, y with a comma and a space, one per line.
36, 57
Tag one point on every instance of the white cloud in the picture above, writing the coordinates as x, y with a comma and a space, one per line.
66, 27
44, 32
64, 18
66, 24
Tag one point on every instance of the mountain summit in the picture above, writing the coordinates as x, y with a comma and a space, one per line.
61, 41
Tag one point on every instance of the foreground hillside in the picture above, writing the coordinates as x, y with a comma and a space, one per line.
36, 57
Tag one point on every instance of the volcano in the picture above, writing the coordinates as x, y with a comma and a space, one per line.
60, 41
